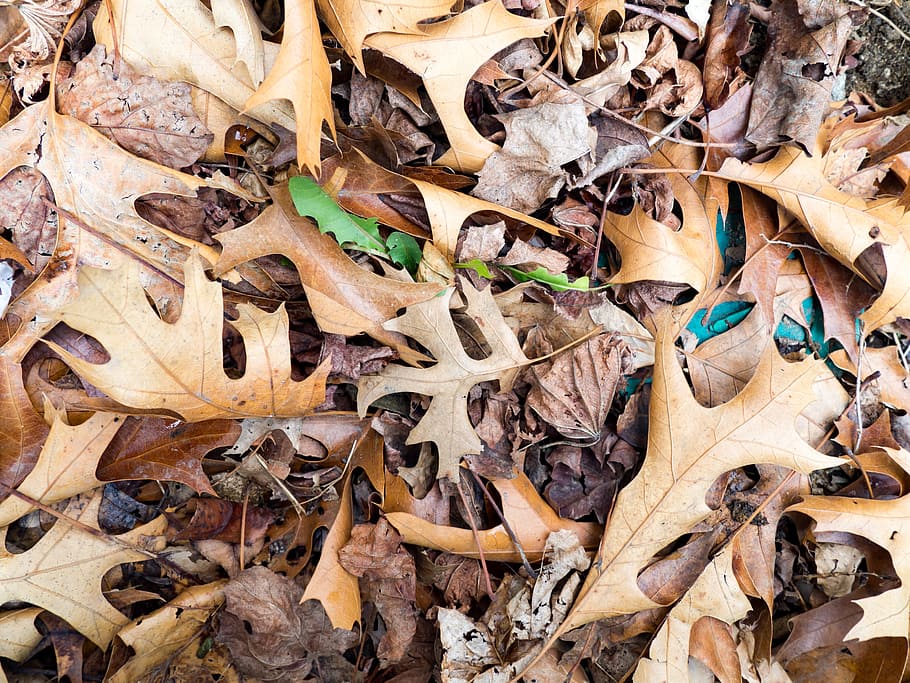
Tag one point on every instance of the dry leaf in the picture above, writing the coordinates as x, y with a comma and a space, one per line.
62, 571
446, 423
529, 516
22, 430
688, 448
345, 298
302, 75
180, 368
148, 117
478, 33
240, 16
168, 633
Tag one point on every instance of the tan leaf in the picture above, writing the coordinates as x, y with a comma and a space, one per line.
240, 16
196, 50
66, 466
597, 11
688, 448
302, 75
350, 21
177, 368
446, 423
843, 224
345, 298
446, 55
157, 638
62, 571
530, 517
18, 635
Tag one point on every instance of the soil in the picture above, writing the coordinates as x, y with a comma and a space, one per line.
883, 71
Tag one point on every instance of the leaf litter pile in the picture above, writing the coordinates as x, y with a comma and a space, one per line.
355, 340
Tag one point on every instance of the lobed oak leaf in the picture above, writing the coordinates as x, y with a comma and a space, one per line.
301, 74
448, 382
351, 21
177, 368
18, 635
846, 226
344, 298
240, 16
689, 446
446, 55
62, 572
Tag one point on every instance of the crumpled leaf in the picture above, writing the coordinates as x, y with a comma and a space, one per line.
272, 636
180, 367
688, 448
170, 633
575, 390
478, 33
539, 141
143, 115
62, 571
446, 423
301, 74
387, 579
344, 298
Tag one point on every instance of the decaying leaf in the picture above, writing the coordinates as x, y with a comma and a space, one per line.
446, 422
180, 368
62, 572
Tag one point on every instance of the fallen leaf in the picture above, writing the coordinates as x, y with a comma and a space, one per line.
62, 572
351, 21
272, 635
164, 449
540, 140
530, 517
143, 115
159, 638
446, 422
301, 74
22, 429
180, 369
388, 579
18, 635
575, 390
688, 448
240, 16
345, 299
479, 33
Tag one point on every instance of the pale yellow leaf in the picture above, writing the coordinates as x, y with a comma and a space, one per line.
241, 18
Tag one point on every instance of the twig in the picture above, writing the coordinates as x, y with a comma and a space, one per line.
506, 526
473, 525
884, 18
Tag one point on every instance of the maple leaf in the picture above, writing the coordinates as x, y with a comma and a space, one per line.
302, 75
62, 572
344, 298
688, 448
446, 422
843, 224
177, 368
446, 55
350, 21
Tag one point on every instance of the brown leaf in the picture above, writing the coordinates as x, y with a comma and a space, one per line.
156, 448
388, 579
22, 430
180, 370
222, 520
574, 391
272, 636
446, 422
726, 41
345, 299
148, 117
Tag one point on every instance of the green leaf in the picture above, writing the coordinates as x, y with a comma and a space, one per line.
478, 267
349, 230
558, 281
404, 251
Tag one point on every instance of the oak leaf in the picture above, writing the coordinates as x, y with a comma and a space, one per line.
350, 21
843, 224
345, 298
446, 55
62, 572
240, 16
22, 429
301, 74
18, 635
446, 422
688, 448
177, 368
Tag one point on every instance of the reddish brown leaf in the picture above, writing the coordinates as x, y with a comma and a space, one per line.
22, 430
